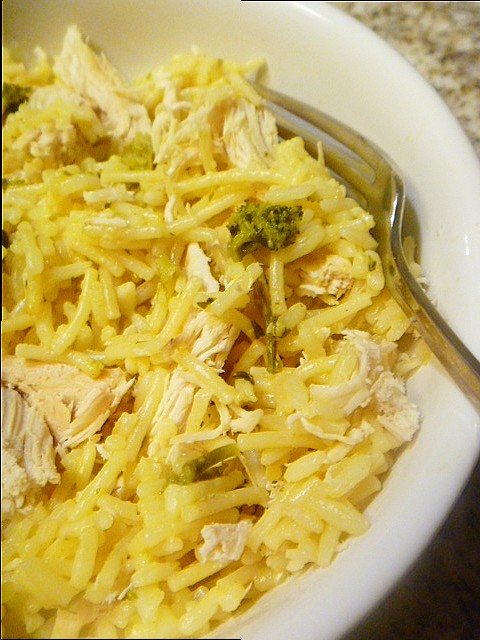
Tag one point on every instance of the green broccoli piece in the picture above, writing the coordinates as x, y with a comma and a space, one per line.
256, 224
271, 330
208, 465
138, 154
12, 97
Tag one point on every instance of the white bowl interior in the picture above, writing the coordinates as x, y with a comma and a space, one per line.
323, 56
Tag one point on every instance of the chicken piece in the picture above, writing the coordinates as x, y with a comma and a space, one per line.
371, 385
63, 140
56, 126
394, 409
246, 420
175, 404
330, 278
211, 338
224, 542
28, 454
373, 358
205, 336
92, 77
44, 97
73, 405
208, 338
107, 195
250, 135
173, 134
197, 264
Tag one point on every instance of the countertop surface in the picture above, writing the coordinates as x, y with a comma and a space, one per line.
439, 598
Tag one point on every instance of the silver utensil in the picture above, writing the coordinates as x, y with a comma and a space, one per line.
374, 181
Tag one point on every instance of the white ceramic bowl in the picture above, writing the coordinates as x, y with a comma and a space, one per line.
323, 56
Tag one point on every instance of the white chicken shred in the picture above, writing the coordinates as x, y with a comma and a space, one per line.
250, 135
28, 455
224, 542
98, 83
74, 405
332, 278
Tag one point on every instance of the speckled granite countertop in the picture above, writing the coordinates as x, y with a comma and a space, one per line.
439, 598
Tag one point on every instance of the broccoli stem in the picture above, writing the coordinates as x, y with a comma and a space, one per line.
206, 465
274, 364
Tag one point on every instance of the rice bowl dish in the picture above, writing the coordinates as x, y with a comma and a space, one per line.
198, 336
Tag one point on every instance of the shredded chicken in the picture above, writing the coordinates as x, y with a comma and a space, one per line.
396, 412
47, 96
250, 135
107, 195
208, 338
211, 338
77, 117
371, 384
28, 455
197, 264
329, 278
205, 336
246, 420
58, 137
354, 393
55, 126
92, 77
224, 542
170, 132
242, 134
73, 405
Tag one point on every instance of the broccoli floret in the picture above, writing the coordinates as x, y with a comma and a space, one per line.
256, 224
12, 97
138, 154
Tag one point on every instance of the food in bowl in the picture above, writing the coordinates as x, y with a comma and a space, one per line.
203, 375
